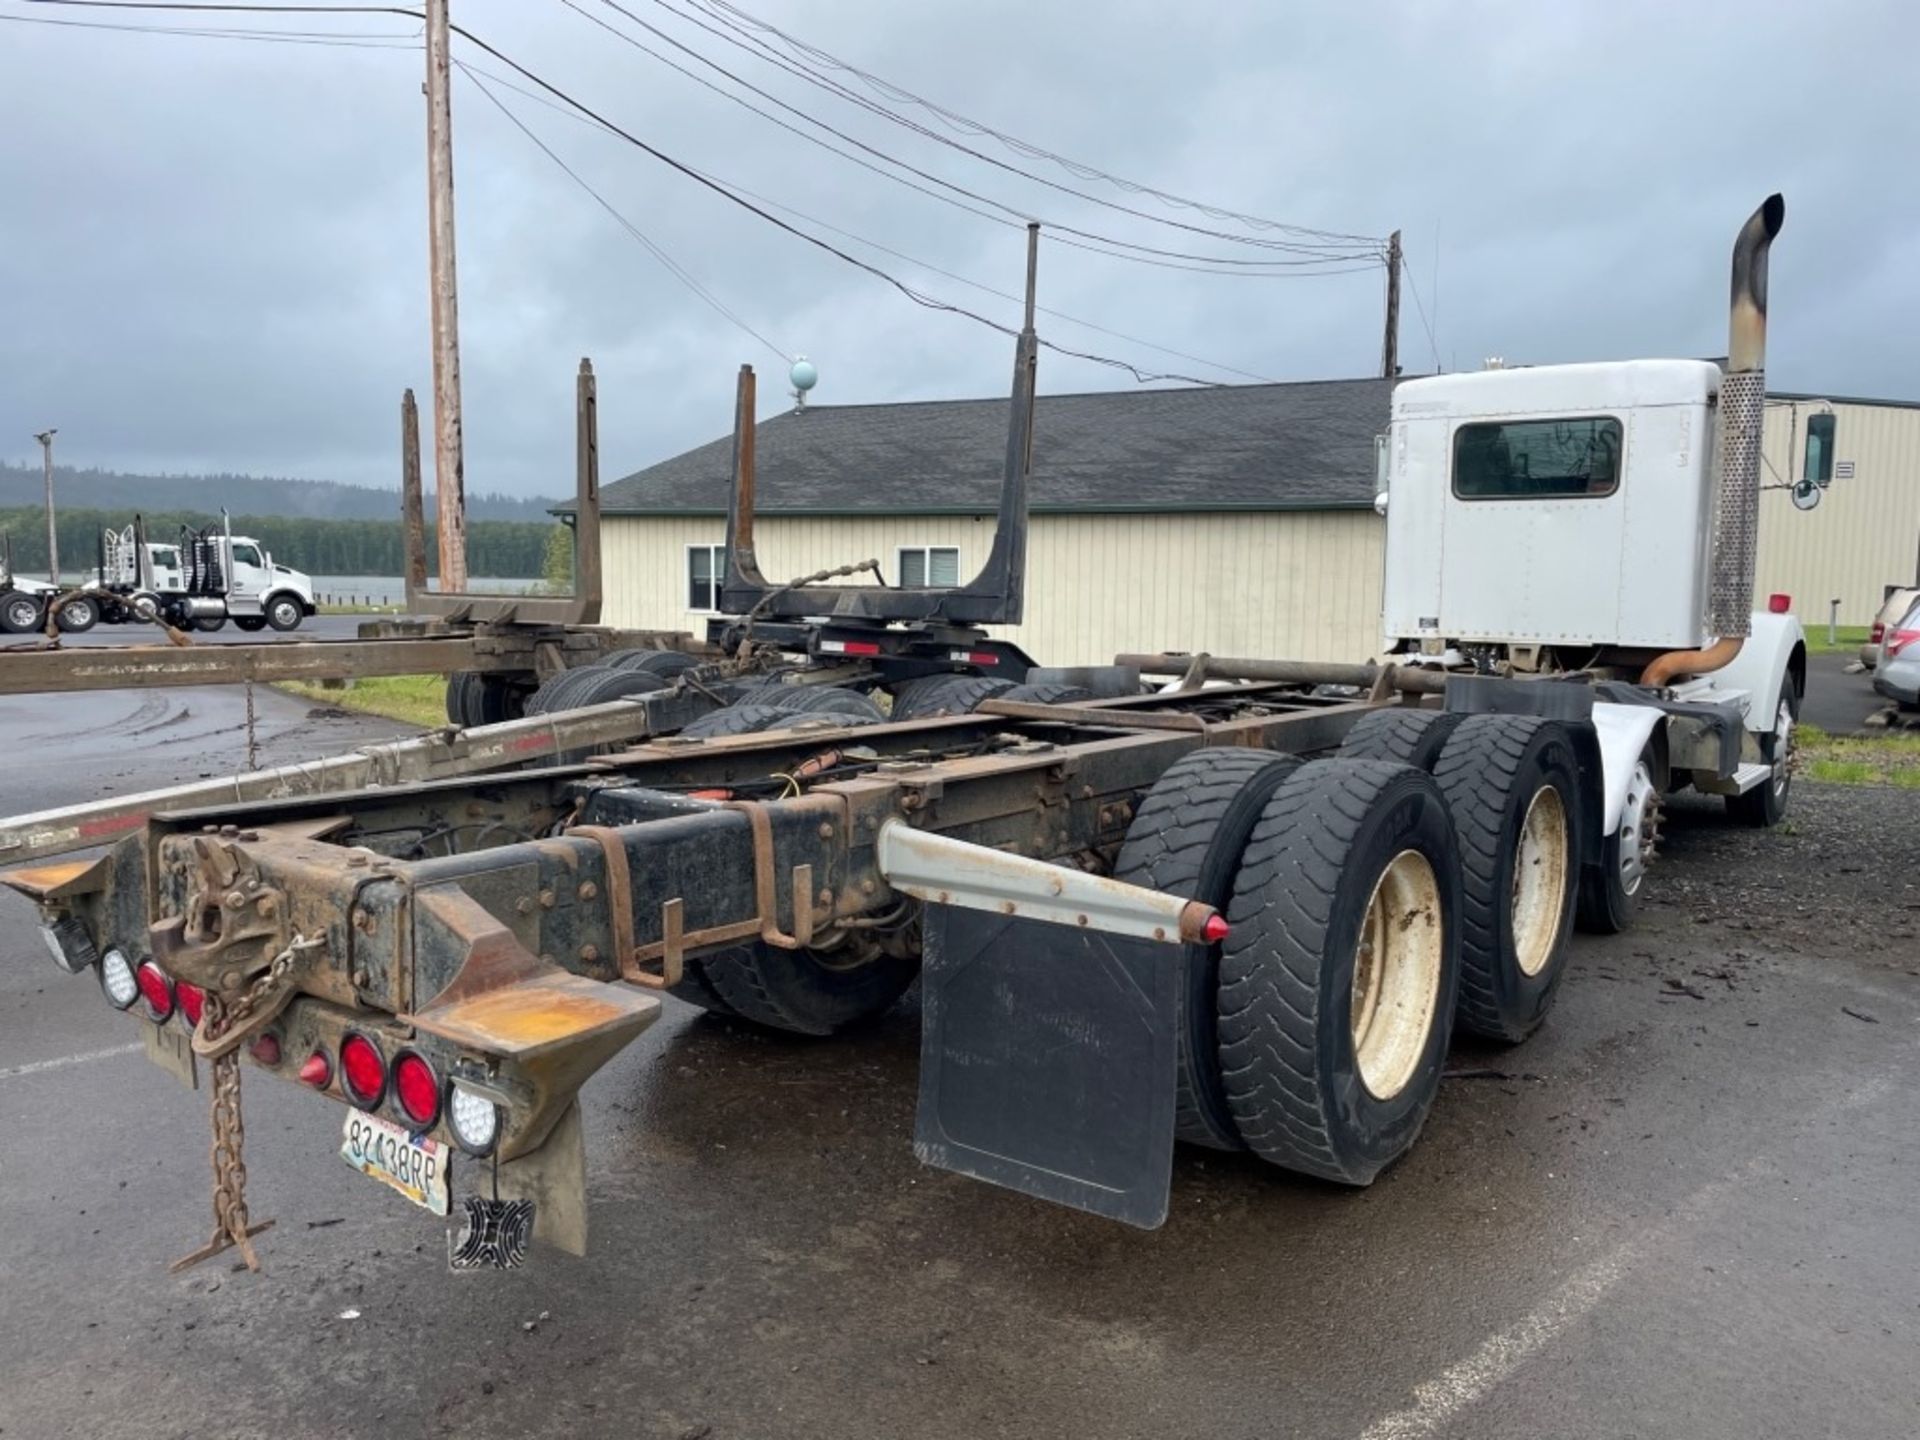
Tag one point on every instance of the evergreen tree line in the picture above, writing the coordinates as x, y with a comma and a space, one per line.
505, 549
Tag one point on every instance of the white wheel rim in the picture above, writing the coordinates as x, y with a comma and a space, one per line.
1540, 881
1396, 974
1637, 819
1782, 748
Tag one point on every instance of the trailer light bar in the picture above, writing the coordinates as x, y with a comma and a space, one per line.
973, 657
850, 647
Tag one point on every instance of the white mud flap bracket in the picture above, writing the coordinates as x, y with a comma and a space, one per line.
1050, 1024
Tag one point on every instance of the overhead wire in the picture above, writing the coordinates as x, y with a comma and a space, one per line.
741, 19
667, 262
1413, 289
475, 72
1323, 243
1011, 215
362, 40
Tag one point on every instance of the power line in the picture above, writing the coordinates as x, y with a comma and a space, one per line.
1013, 216
342, 40
1323, 248
975, 127
475, 72
672, 266
1414, 288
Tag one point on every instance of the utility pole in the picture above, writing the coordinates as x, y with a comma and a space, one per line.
1390, 345
45, 437
449, 466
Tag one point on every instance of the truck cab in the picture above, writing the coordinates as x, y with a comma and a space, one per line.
263, 592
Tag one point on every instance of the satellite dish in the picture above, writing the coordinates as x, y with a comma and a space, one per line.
1806, 495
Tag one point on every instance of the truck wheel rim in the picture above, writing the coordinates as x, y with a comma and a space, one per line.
1540, 881
1396, 974
283, 611
1638, 817
1782, 748
22, 613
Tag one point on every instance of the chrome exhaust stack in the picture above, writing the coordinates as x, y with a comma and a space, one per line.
1736, 499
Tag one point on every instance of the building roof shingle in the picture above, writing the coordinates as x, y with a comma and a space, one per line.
1243, 447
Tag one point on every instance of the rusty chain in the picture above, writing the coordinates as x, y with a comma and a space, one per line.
232, 1226
223, 1029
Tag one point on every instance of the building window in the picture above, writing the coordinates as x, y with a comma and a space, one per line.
706, 572
1537, 459
1819, 466
929, 565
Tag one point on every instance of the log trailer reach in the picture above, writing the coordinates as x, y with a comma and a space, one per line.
1245, 909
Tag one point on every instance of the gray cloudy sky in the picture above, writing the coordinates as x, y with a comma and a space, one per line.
212, 252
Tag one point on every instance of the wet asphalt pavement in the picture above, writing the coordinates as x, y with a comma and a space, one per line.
1687, 1207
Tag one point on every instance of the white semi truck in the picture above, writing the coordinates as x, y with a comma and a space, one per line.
1248, 915
201, 581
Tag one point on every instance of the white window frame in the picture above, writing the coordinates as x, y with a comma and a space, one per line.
926, 554
716, 568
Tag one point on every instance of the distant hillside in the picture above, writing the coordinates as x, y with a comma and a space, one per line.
242, 494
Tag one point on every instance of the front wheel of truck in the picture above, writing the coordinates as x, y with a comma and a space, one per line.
1766, 803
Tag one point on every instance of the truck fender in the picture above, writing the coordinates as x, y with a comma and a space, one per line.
1623, 732
1776, 648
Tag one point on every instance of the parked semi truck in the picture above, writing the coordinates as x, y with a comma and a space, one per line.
1247, 909
206, 577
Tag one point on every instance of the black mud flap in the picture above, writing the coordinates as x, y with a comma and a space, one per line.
1047, 1061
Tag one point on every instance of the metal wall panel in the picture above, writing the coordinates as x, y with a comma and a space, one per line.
1300, 585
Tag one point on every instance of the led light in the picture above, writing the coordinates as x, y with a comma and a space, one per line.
70, 944
363, 1074
416, 1089
475, 1121
193, 1000
1215, 930
316, 1070
157, 990
116, 978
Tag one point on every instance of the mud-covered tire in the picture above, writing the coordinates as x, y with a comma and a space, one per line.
1047, 694
657, 662
945, 695
78, 615
1405, 737
804, 992
747, 718
815, 700
1512, 785
22, 613
1334, 833
1186, 840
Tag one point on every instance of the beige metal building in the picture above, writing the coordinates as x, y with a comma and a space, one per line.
1235, 520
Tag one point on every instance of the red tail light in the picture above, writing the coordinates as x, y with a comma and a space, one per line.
1876, 632
266, 1049
363, 1074
416, 1089
156, 989
193, 1000
1779, 604
1899, 641
316, 1070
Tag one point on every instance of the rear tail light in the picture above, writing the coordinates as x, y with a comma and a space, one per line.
416, 1089
193, 1000
1876, 632
1899, 641
474, 1120
1779, 604
363, 1073
316, 1070
266, 1050
117, 979
156, 989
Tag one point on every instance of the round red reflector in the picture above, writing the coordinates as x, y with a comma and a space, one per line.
316, 1070
192, 1000
1215, 930
266, 1049
417, 1089
155, 988
362, 1072
1779, 604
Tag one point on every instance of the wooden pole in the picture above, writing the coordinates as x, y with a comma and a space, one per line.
411, 504
1390, 344
449, 470
45, 437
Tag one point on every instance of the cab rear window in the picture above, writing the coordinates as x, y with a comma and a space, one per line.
1537, 459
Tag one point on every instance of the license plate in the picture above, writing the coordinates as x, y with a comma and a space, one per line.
416, 1168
